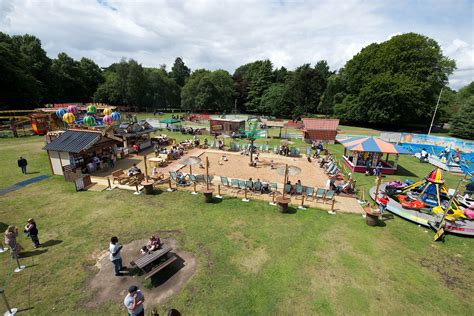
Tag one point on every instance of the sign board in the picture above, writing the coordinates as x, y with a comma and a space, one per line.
79, 182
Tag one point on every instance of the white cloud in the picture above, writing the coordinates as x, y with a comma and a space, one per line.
221, 34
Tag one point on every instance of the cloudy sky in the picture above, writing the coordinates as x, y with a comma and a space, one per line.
226, 34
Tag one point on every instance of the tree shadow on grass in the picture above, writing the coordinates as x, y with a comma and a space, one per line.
27, 254
51, 242
404, 172
3, 227
167, 272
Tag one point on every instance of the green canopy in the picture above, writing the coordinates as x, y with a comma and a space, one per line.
170, 121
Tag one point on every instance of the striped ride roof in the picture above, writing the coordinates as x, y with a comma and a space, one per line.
371, 144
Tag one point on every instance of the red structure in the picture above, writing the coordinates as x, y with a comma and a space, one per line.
320, 129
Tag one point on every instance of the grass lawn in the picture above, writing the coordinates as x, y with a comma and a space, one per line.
251, 259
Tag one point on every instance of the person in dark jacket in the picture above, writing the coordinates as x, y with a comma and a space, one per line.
22, 163
32, 231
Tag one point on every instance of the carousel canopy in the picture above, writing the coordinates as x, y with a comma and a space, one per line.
169, 121
436, 176
371, 144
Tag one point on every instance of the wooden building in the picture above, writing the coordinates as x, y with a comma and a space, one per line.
324, 130
226, 126
76, 148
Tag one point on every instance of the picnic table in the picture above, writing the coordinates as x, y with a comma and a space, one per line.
154, 261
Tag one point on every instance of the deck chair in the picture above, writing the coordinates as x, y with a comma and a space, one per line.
275, 149
329, 195
308, 193
249, 185
242, 185
308, 151
299, 191
235, 185
319, 194
224, 181
208, 179
258, 187
266, 148
273, 188
261, 148
287, 188
193, 178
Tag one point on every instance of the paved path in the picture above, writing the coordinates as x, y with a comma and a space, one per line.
22, 184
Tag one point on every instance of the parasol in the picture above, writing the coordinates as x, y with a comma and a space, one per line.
191, 161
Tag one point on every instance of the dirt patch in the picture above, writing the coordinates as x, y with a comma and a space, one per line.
166, 283
253, 261
452, 270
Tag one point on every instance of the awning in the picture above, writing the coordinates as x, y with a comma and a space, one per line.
371, 144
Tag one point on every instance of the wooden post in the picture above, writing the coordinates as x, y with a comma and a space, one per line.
332, 205
110, 186
301, 207
170, 189
377, 189
146, 169
194, 188
190, 170
273, 197
219, 189
284, 180
207, 172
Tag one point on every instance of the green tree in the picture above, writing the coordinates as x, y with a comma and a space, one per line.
92, 77
306, 86
406, 72
251, 82
276, 102
334, 93
68, 79
180, 72
208, 91
462, 122
18, 87
162, 91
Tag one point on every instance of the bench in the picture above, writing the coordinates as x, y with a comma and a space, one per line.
117, 175
160, 266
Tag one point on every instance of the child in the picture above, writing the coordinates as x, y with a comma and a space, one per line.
383, 201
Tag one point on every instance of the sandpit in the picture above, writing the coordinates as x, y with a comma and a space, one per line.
107, 287
238, 167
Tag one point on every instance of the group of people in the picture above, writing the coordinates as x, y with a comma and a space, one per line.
154, 243
99, 161
11, 234
258, 186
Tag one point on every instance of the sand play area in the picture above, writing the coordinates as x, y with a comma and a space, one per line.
238, 167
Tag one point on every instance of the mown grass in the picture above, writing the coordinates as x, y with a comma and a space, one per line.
252, 260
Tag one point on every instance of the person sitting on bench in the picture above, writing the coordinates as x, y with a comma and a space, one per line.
134, 170
154, 243
180, 177
424, 155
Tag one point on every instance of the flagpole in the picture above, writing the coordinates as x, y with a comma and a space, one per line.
436, 109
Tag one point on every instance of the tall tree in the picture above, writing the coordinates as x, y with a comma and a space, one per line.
462, 122
68, 79
92, 77
162, 91
18, 87
334, 93
388, 80
276, 101
180, 72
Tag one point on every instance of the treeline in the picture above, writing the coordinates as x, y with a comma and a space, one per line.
395, 83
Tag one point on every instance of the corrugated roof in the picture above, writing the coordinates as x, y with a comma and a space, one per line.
74, 141
320, 124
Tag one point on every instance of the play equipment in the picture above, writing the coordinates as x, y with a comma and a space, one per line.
69, 118
107, 111
429, 202
89, 120
72, 109
108, 120
91, 109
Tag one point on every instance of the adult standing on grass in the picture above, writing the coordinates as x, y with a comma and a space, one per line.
22, 163
134, 301
10, 239
115, 257
32, 231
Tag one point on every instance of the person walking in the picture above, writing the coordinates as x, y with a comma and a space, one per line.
32, 231
115, 257
10, 240
22, 163
383, 201
134, 301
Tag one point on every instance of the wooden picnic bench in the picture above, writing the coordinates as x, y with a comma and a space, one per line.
119, 176
154, 261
